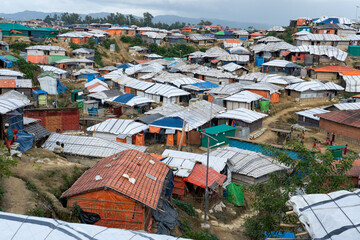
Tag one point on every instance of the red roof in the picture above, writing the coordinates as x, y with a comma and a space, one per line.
346, 117
214, 61
337, 69
356, 96
95, 85
142, 61
232, 41
149, 174
198, 177
285, 53
7, 83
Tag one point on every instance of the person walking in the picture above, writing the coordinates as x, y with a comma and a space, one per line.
328, 138
333, 137
345, 149
315, 143
10, 137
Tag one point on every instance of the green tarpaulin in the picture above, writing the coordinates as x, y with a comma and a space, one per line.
264, 105
235, 194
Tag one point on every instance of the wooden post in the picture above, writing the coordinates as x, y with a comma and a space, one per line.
182, 135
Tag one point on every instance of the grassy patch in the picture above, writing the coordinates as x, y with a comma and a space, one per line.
186, 207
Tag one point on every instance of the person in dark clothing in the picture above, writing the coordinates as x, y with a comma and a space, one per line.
333, 138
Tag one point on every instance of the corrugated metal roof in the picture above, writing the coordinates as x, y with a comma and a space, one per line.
104, 95
314, 86
118, 126
28, 121
215, 52
46, 48
329, 51
321, 38
12, 94
166, 91
197, 114
231, 67
198, 177
198, 37
11, 73
269, 39
271, 47
263, 86
244, 96
153, 55
148, 67
276, 29
347, 106
52, 69
113, 75
75, 60
227, 89
166, 109
144, 189
281, 63
134, 83
310, 113
85, 71
185, 161
346, 117
239, 51
270, 78
176, 79
9, 105
88, 146
248, 163
234, 58
242, 114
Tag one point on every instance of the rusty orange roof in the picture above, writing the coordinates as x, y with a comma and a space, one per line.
7, 83
345, 117
149, 174
198, 177
356, 96
337, 69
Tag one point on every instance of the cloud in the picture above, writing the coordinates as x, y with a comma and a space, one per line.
262, 11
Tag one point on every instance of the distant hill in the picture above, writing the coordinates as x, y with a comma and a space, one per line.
169, 19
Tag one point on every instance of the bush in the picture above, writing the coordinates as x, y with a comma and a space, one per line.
38, 212
201, 235
186, 207
133, 41
27, 68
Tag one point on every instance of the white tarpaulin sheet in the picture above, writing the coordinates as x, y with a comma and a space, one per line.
332, 216
20, 227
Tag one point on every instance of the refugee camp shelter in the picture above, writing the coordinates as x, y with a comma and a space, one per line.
266, 90
39, 53
123, 189
308, 118
242, 117
243, 99
220, 133
11, 111
33, 127
248, 167
333, 73
58, 73
345, 124
280, 67
121, 130
166, 94
311, 90
343, 106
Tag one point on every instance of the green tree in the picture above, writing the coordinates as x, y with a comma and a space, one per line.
314, 173
147, 19
206, 23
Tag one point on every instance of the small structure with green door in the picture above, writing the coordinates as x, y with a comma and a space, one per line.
354, 50
76, 95
220, 133
337, 151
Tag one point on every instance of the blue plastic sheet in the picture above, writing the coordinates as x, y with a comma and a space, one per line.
124, 98
279, 235
60, 87
25, 140
170, 122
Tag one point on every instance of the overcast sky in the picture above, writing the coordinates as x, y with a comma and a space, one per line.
276, 12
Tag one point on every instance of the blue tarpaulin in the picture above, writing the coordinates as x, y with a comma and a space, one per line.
279, 235
8, 62
25, 140
259, 148
169, 122
60, 87
205, 85
17, 120
125, 65
124, 98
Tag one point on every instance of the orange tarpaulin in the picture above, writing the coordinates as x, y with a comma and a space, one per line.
198, 176
127, 90
115, 210
153, 129
140, 139
170, 140
274, 98
121, 140
178, 138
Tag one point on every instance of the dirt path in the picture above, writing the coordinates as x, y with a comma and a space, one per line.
123, 51
17, 198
